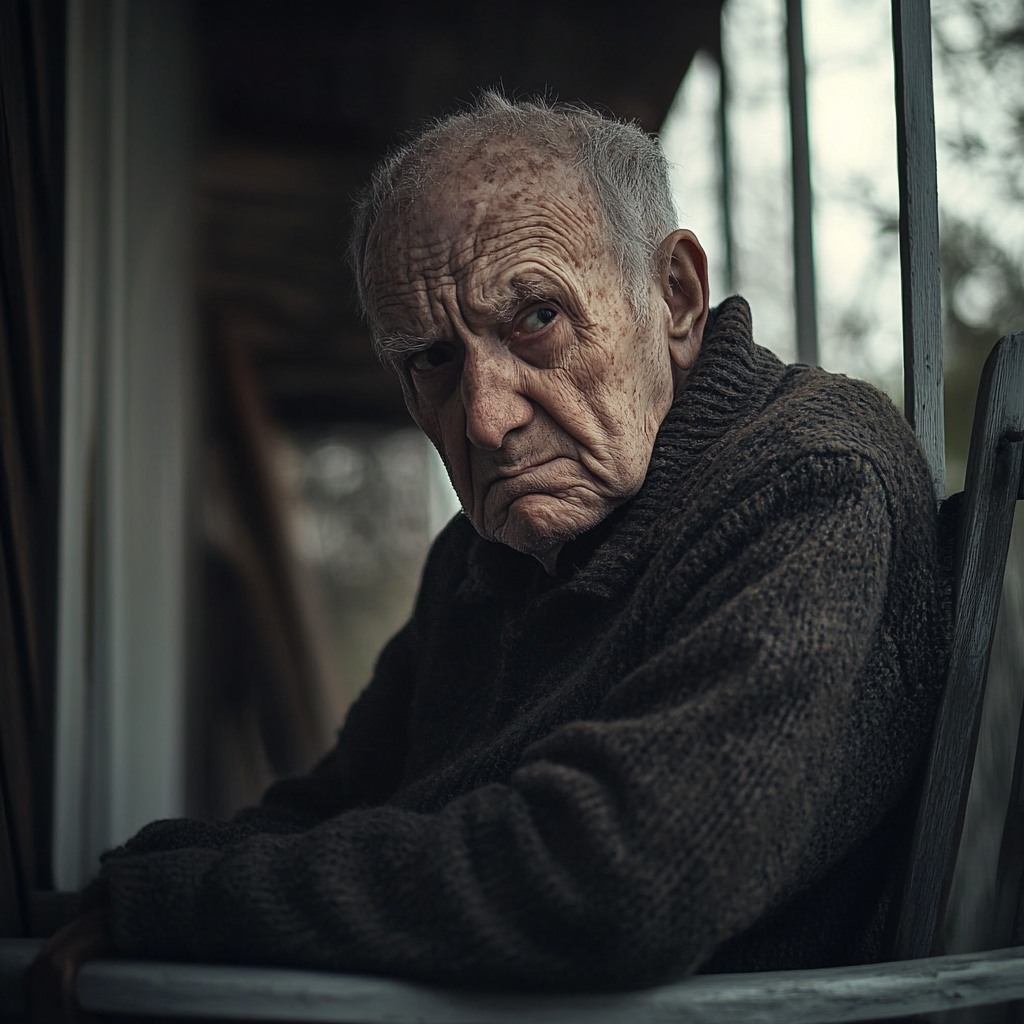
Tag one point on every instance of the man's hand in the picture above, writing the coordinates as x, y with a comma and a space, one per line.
51, 979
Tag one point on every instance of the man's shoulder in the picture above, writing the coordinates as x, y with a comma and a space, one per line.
745, 417
815, 439
817, 413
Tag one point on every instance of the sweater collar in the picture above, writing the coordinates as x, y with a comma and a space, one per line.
729, 383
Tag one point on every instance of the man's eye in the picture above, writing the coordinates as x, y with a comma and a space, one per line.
429, 359
537, 319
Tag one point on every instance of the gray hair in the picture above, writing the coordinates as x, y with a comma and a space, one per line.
624, 166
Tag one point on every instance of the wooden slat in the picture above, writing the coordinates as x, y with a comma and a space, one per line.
725, 171
919, 231
795, 997
994, 469
1010, 867
800, 152
1009, 913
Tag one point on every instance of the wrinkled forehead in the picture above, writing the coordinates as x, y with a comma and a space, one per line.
477, 220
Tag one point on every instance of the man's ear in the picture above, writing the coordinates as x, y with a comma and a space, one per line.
684, 285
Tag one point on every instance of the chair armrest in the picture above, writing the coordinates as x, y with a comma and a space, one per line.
831, 995
899, 989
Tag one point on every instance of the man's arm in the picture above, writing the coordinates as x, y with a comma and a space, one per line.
362, 769
762, 741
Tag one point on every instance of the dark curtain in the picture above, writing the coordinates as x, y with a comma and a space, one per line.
32, 39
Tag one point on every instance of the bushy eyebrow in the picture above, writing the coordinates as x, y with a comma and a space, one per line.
394, 347
527, 287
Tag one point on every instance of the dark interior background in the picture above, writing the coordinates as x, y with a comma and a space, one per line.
296, 102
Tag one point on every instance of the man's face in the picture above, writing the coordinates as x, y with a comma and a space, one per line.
526, 368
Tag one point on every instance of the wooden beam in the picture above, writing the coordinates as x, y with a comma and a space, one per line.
919, 231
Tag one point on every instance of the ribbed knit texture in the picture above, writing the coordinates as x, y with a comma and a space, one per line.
691, 749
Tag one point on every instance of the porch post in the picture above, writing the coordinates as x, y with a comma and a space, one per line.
919, 231
803, 239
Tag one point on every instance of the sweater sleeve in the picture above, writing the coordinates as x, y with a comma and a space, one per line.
765, 736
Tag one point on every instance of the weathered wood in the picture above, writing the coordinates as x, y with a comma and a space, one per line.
919, 230
800, 153
725, 174
1010, 867
793, 997
796, 997
994, 468
1009, 901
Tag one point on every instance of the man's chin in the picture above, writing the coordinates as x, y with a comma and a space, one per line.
539, 524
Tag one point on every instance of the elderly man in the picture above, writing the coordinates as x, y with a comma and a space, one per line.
669, 673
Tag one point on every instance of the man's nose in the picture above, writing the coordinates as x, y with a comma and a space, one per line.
493, 398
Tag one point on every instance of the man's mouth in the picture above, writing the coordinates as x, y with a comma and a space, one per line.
506, 472
552, 476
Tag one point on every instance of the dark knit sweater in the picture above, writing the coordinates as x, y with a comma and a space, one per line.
689, 750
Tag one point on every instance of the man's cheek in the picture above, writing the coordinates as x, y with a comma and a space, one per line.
449, 436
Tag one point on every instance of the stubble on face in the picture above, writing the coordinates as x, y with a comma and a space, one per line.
522, 360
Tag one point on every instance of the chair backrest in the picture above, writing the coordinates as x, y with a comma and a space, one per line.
985, 512
1008, 923
995, 480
